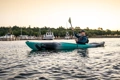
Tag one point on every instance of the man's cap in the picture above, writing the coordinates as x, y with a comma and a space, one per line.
81, 31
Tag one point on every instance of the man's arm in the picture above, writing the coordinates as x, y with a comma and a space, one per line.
76, 35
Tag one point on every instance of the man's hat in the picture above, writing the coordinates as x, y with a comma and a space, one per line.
81, 31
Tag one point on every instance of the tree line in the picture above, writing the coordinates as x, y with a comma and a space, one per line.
60, 31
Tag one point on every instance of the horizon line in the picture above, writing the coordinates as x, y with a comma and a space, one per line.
60, 26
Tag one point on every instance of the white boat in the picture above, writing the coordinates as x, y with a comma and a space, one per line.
67, 36
24, 37
48, 36
7, 37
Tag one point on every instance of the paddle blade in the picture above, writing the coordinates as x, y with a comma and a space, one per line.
69, 20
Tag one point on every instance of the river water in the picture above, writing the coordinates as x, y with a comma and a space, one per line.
18, 62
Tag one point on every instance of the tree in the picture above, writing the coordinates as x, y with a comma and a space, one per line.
99, 28
87, 28
108, 32
60, 31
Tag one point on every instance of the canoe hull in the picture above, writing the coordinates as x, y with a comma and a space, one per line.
60, 45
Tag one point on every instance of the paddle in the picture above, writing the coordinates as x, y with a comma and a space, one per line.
69, 20
71, 26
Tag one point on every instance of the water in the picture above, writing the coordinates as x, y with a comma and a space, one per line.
18, 62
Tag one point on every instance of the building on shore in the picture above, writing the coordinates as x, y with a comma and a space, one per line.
8, 37
67, 36
26, 37
23, 37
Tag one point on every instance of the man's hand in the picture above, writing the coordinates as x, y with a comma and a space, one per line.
72, 28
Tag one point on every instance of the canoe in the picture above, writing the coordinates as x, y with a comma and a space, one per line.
61, 45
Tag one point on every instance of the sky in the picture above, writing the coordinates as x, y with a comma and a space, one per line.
55, 13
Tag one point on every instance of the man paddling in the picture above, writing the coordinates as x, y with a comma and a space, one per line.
82, 38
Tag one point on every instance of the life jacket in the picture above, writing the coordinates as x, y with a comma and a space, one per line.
87, 41
82, 38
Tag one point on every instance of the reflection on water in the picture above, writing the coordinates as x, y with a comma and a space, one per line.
18, 62
63, 63
83, 52
48, 52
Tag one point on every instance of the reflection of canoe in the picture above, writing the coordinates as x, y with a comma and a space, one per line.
61, 45
34, 52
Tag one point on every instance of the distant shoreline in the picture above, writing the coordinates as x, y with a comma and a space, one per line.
59, 39
105, 37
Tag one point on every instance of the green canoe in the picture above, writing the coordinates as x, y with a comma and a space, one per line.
61, 45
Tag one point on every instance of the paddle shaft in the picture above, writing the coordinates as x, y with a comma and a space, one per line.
72, 29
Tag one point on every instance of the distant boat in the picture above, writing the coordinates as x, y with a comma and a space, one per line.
24, 37
39, 34
7, 37
67, 36
48, 36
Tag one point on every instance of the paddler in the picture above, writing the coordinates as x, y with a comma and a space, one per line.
81, 38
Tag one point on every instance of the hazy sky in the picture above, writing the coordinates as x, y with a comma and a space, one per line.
55, 13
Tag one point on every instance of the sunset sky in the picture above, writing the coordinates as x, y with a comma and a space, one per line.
55, 13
